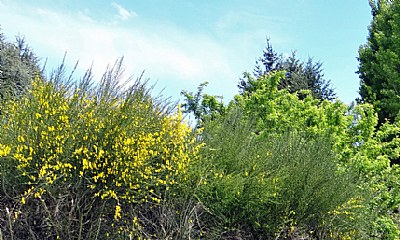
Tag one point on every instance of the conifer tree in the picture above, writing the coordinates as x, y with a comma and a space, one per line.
299, 75
379, 61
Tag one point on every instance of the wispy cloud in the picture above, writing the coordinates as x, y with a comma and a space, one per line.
180, 58
123, 13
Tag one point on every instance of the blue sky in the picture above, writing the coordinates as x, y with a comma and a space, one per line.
181, 44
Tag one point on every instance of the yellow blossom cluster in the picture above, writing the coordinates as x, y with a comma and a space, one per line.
125, 150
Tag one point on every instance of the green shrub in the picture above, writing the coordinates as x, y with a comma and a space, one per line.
268, 186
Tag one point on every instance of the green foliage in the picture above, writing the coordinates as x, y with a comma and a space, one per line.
379, 61
278, 111
18, 65
261, 186
372, 161
203, 106
377, 159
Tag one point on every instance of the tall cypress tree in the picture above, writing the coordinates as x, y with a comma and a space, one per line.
379, 61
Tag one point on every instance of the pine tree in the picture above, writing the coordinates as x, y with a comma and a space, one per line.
270, 61
299, 75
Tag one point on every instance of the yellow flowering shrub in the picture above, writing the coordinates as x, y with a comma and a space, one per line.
121, 149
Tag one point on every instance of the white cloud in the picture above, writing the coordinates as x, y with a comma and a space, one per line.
168, 54
123, 13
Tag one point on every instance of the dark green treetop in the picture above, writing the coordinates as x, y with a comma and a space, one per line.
379, 61
299, 75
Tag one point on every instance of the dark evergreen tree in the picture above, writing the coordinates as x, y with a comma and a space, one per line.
295, 78
299, 75
379, 61
270, 61
313, 73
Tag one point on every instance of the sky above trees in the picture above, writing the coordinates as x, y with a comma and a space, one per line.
181, 44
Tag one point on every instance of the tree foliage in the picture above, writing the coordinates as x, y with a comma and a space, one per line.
202, 106
379, 61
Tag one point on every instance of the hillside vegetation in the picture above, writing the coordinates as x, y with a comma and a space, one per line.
84, 158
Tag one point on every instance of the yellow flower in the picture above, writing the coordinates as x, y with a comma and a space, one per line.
4, 150
21, 139
117, 214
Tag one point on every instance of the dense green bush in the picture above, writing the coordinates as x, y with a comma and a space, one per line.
268, 187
